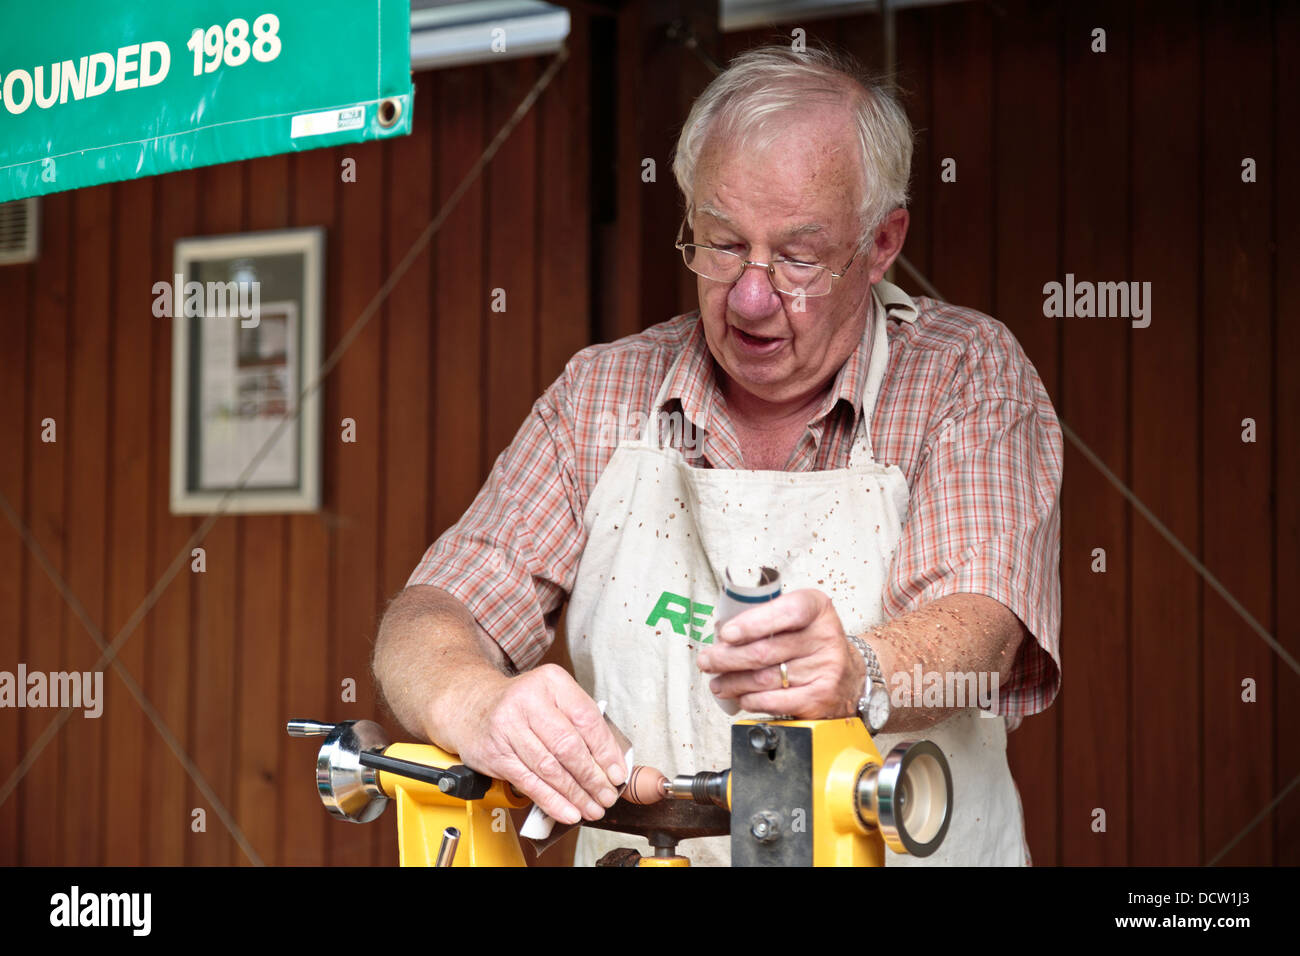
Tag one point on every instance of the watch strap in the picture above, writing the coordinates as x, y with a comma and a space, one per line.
869, 657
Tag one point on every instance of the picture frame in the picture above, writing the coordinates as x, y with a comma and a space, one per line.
247, 328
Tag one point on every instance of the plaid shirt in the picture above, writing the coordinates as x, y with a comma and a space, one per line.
961, 411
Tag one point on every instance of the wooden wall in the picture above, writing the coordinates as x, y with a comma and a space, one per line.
288, 605
1127, 165
1117, 166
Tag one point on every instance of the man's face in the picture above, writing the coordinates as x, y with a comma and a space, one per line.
798, 199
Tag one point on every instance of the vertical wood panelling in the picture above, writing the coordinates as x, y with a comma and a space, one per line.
1094, 401
329, 182
408, 328
37, 802
16, 428
913, 68
511, 260
407, 333
860, 37
1163, 742
1027, 254
630, 246
656, 81
259, 736
563, 249
214, 684
460, 297
305, 836
168, 628
354, 542
1237, 512
85, 809
695, 75
962, 120
1286, 476
127, 732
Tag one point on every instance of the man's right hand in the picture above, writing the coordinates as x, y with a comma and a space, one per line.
541, 732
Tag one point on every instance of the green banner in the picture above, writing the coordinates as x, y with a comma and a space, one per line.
95, 91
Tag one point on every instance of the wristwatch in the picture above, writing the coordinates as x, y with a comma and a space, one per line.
873, 705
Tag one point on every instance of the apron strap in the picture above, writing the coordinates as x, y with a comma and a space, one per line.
862, 452
650, 434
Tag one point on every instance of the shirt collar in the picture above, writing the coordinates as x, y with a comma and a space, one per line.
898, 304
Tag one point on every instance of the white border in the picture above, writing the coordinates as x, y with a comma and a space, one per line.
310, 243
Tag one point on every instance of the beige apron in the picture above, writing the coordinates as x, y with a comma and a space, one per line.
660, 534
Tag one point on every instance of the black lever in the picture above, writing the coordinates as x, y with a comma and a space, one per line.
456, 781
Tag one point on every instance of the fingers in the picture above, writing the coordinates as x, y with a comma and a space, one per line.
799, 629
589, 722
542, 778
566, 763
803, 703
547, 737
814, 692
799, 624
738, 683
814, 682
755, 655
792, 611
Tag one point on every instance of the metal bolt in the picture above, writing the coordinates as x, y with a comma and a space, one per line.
763, 738
765, 826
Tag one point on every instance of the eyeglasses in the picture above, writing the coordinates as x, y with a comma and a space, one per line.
788, 276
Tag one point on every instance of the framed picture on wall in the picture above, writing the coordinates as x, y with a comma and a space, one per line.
247, 325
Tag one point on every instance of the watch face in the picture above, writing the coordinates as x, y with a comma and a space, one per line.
878, 707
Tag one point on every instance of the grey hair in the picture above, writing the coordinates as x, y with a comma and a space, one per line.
771, 81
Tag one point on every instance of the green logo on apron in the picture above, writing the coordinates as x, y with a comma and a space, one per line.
686, 617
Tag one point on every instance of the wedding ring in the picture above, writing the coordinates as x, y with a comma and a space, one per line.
785, 676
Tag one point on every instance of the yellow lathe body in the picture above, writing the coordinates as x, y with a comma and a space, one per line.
424, 812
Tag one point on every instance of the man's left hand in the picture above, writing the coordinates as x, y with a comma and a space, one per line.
802, 630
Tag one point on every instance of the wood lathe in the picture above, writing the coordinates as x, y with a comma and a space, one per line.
797, 793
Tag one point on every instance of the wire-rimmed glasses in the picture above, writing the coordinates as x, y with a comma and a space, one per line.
788, 276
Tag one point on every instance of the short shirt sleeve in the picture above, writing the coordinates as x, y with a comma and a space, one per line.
984, 511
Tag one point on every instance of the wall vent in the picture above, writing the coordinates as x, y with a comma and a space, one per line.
19, 225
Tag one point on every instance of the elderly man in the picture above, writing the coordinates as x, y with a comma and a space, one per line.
898, 459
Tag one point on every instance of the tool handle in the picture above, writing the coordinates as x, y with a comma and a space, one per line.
457, 781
